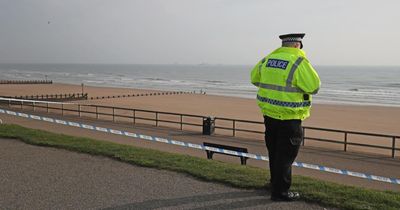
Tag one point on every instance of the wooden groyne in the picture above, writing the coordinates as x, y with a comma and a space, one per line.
53, 97
143, 94
26, 82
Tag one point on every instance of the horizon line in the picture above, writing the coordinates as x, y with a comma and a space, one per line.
181, 64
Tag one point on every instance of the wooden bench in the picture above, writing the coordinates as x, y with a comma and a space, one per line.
210, 153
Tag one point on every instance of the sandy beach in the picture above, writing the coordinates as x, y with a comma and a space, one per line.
372, 119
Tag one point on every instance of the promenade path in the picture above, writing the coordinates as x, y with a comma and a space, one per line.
358, 162
35, 177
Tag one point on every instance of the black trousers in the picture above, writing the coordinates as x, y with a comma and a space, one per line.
283, 139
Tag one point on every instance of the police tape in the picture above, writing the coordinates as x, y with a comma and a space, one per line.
198, 146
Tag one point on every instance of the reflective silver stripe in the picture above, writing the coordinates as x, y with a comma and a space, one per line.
292, 70
289, 89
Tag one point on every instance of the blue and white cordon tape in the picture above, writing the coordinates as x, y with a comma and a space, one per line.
201, 147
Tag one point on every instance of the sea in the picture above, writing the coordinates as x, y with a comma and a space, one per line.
356, 85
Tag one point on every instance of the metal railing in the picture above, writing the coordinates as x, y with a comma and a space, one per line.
344, 141
112, 112
235, 128
183, 120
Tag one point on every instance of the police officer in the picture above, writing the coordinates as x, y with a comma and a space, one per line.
285, 80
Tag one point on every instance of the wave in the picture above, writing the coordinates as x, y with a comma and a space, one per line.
353, 89
396, 85
216, 81
93, 81
156, 79
347, 87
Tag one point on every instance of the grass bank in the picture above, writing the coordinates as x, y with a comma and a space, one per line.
312, 190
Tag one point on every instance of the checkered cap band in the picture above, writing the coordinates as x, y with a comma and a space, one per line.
292, 39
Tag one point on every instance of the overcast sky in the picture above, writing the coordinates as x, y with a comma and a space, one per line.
338, 32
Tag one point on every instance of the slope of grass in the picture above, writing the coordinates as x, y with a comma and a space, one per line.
312, 190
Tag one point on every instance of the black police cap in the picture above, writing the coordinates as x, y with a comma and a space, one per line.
293, 38
299, 36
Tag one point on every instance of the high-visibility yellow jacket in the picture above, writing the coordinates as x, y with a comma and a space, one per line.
285, 80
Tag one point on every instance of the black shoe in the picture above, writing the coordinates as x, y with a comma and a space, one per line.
290, 196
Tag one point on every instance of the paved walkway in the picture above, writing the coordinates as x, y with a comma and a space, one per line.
33, 177
370, 164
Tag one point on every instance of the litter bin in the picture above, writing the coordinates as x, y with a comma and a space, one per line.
208, 125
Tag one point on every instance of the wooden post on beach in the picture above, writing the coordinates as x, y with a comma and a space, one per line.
181, 121
113, 114
134, 116
79, 110
62, 109
234, 127
393, 146
345, 141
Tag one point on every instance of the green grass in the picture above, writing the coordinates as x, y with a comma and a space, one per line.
312, 190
